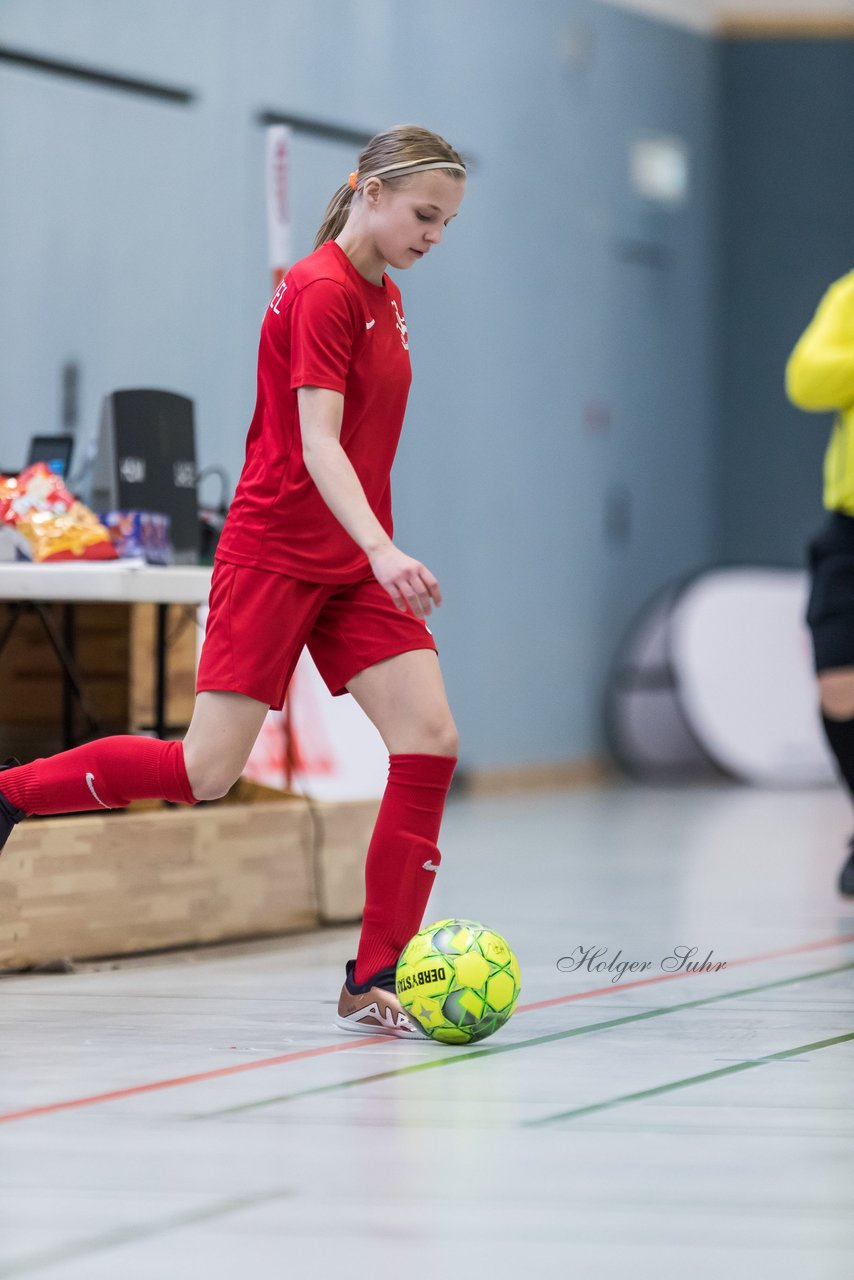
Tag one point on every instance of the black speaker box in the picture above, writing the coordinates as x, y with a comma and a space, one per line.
147, 462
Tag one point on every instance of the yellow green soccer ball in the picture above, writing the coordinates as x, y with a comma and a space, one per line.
459, 980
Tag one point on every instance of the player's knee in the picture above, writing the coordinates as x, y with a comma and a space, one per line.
450, 741
209, 778
836, 693
440, 738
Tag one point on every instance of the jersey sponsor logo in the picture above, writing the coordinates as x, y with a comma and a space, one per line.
277, 298
369, 324
430, 866
90, 783
401, 326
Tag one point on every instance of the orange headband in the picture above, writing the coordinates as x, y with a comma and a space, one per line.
352, 180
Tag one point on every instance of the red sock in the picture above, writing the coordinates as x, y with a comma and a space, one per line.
402, 858
105, 774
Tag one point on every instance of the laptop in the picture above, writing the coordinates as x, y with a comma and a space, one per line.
55, 451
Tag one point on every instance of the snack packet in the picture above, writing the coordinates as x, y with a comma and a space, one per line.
137, 534
48, 523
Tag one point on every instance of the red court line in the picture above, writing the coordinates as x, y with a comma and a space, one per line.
216, 1074
71, 1104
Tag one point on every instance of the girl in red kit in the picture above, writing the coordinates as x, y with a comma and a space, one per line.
307, 558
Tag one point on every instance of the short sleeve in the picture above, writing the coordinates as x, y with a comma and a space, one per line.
820, 370
322, 333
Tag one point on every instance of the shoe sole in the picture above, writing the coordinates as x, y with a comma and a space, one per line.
362, 1029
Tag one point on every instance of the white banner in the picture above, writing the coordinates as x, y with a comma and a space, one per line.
279, 226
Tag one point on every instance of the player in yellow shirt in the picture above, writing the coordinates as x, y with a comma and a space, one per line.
820, 378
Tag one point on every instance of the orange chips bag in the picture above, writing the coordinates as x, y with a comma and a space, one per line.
48, 522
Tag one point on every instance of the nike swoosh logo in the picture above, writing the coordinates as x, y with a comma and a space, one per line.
369, 324
90, 783
430, 866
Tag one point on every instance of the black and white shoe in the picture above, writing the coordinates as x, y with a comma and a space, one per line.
9, 814
846, 875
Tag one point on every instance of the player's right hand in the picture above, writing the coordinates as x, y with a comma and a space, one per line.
410, 584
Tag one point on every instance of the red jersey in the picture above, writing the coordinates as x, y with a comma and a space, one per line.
326, 326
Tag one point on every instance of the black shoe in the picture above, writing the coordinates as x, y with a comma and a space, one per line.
9, 815
846, 875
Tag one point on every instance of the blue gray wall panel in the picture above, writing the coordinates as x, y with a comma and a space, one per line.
561, 459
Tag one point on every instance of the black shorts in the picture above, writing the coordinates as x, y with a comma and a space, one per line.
830, 612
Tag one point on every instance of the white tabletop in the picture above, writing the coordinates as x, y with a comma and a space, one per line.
112, 580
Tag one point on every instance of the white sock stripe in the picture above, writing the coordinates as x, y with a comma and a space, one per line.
90, 783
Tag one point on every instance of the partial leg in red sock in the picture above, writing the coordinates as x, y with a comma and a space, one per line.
105, 774
402, 858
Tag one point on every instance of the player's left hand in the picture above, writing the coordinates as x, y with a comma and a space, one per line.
410, 584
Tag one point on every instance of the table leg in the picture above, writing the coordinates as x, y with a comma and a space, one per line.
70, 676
69, 636
160, 696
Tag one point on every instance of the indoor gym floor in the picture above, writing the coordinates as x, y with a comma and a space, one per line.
199, 1115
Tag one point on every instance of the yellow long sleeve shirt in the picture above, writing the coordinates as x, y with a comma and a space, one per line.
820, 377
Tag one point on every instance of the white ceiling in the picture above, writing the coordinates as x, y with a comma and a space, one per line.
706, 15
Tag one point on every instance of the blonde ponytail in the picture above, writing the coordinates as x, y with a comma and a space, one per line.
406, 144
337, 213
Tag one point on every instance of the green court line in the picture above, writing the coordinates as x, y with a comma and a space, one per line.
120, 1236
520, 1044
687, 1082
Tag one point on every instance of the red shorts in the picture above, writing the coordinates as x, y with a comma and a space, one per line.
259, 622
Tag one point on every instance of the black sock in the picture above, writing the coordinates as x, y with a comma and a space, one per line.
840, 735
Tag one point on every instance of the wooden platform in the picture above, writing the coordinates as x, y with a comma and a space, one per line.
258, 863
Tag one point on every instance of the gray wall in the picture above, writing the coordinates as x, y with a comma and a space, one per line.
788, 231
559, 460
